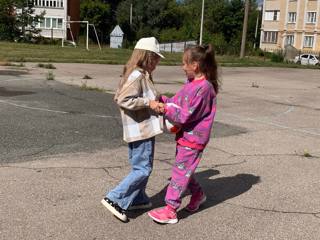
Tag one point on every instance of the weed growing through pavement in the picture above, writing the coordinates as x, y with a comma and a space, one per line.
85, 87
254, 85
47, 66
50, 76
86, 77
307, 154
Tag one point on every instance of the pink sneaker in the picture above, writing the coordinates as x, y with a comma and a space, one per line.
195, 201
164, 215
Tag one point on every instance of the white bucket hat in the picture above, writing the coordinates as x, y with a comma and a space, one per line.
150, 44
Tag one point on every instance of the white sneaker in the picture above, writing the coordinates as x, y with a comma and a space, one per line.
115, 209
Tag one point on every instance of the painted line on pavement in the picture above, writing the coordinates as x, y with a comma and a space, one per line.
53, 111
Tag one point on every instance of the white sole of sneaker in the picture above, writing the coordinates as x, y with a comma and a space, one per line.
120, 216
171, 221
201, 202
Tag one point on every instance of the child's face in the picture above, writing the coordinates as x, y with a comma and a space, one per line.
154, 62
190, 69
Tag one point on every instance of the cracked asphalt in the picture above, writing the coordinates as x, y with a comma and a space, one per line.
61, 149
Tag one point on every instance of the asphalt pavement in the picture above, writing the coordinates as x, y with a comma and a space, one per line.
61, 149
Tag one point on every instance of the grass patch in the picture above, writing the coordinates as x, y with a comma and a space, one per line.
47, 65
85, 87
12, 64
22, 52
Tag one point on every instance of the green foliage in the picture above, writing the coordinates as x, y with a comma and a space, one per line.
167, 20
99, 13
172, 21
8, 28
277, 56
18, 24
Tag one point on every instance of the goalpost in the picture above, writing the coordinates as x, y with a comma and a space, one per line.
87, 33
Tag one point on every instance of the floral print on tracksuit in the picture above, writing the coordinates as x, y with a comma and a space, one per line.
193, 109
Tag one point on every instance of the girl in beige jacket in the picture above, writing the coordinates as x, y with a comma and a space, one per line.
137, 100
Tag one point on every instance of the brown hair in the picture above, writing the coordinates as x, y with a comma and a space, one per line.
139, 59
205, 57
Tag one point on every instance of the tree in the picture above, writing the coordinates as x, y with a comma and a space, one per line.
149, 18
18, 21
8, 28
98, 13
26, 20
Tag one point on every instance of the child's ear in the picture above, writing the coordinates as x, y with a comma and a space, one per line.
195, 66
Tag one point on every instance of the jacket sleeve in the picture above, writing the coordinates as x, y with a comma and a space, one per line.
182, 115
130, 96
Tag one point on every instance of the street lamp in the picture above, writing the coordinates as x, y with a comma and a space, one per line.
201, 25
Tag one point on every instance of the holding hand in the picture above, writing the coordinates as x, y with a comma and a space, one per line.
156, 106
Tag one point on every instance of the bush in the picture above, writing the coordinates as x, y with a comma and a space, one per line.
277, 56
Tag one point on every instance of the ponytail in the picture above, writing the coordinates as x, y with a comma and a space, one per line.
205, 56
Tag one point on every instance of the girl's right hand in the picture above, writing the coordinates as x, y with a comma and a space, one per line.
156, 106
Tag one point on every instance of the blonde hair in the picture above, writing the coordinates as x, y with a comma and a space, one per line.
139, 59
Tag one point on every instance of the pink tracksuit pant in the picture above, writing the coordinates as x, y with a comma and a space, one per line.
187, 160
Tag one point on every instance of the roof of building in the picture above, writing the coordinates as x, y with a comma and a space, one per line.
117, 32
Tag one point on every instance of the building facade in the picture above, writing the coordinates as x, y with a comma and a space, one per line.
291, 22
57, 14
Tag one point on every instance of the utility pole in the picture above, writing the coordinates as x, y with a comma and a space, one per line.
201, 25
244, 30
130, 14
256, 32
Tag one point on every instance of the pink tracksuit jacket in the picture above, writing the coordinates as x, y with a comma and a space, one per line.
193, 109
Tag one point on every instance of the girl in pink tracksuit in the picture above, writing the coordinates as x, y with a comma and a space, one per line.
192, 109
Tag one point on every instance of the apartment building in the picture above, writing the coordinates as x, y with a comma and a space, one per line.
291, 22
57, 14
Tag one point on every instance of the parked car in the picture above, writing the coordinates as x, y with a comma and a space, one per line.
307, 59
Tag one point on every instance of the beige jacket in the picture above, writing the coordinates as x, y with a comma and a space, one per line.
138, 120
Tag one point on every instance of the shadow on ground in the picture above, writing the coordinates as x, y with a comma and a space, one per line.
217, 190
13, 72
11, 93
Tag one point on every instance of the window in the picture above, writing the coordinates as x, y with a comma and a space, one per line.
42, 23
290, 40
273, 15
51, 23
270, 37
308, 41
54, 23
292, 17
59, 22
311, 17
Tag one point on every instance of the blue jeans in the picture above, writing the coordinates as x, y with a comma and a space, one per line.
131, 190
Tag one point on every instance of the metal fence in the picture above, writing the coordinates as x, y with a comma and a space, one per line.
176, 46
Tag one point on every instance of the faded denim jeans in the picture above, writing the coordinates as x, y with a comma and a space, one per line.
131, 190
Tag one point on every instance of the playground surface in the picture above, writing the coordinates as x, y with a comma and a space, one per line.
260, 170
